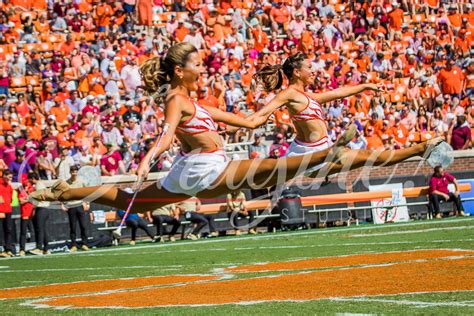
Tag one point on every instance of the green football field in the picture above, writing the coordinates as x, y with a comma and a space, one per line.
422, 267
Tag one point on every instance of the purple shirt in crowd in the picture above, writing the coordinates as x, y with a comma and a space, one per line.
460, 136
18, 168
8, 154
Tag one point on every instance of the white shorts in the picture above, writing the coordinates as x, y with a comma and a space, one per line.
193, 173
298, 148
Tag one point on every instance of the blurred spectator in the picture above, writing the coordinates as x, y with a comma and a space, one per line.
233, 95
26, 209
459, 135
279, 144
111, 162
399, 132
132, 133
258, 149
19, 167
168, 214
6, 195
190, 209
134, 221
451, 79
279, 16
77, 212
236, 209
40, 222
359, 142
130, 75
8, 151
111, 134
439, 192
63, 164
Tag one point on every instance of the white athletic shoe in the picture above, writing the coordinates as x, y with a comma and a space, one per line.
36, 252
85, 248
193, 237
157, 239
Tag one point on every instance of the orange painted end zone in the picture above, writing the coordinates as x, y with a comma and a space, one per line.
361, 275
352, 260
429, 276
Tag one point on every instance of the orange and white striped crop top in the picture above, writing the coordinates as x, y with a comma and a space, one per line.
312, 111
200, 122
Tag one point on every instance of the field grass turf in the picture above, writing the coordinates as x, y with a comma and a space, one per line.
205, 256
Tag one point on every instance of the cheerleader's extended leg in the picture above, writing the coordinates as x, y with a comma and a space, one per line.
148, 199
260, 173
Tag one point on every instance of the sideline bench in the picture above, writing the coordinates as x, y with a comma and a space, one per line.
111, 217
307, 201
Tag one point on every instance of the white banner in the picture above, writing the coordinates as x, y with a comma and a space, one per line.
99, 217
394, 213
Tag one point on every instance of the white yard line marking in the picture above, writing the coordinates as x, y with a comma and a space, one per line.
37, 303
405, 302
357, 244
258, 237
92, 269
354, 314
402, 232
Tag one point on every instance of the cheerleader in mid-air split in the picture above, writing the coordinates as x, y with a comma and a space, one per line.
307, 115
202, 168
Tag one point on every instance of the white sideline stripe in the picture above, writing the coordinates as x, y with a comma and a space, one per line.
354, 314
443, 241
406, 302
413, 231
274, 247
92, 269
358, 244
266, 236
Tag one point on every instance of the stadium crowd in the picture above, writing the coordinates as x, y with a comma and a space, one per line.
71, 95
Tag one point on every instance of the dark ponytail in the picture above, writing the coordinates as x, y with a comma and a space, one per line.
271, 77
